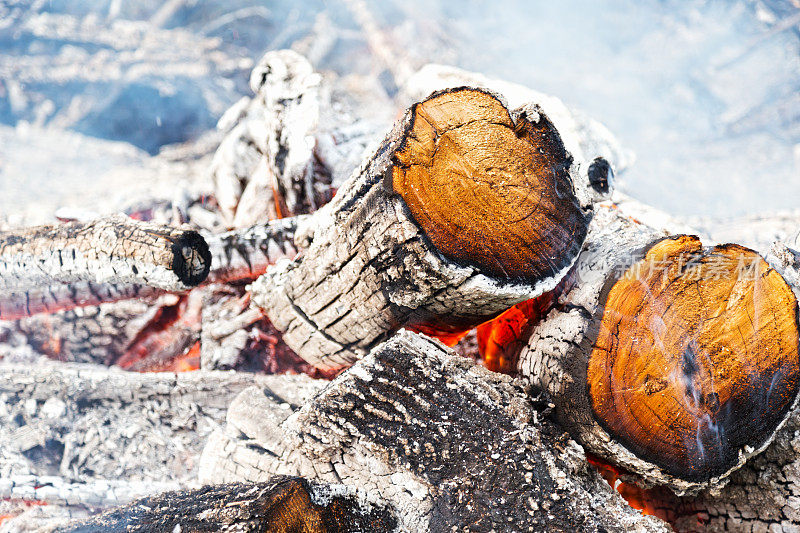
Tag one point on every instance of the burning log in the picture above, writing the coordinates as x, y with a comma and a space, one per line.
114, 250
239, 255
489, 458
280, 505
26, 302
465, 210
650, 358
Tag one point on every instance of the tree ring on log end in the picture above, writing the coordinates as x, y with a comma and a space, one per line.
696, 356
490, 190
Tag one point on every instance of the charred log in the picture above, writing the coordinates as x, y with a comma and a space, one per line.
55, 298
264, 168
650, 357
114, 250
487, 457
464, 210
82, 436
235, 257
282, 505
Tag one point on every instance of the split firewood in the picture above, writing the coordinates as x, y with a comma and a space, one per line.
465, 210
282, 505
114, 250
676, 360
487, 460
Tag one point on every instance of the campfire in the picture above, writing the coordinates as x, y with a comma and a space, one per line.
454, 323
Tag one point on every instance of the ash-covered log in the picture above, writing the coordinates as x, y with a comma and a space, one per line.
451, 445
114, 249
465, 209
264, 168
283, 505
83, 438
58, 297
231, 257
675, 360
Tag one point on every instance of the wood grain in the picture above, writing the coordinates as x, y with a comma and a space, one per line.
487, 190
696, 356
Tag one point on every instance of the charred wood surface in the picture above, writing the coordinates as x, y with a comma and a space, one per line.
284, 505
433, 234
450, 444
114, 250
235, 257
265, 168
55, 298
650, 358
245, 254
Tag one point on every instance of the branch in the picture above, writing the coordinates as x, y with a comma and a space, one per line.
113, 249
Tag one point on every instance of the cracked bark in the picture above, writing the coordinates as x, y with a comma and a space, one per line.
487, 457
441, 229
586, 349
114, 250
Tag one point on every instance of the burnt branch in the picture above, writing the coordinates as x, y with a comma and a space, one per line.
113, 249
239, 255
264, 168
26, 302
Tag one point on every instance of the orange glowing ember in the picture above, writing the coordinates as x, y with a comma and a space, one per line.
446, 337
658, 501
637, 497
501, 340
188, 362
21, 503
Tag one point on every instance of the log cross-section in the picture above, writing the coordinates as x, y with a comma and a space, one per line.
675, 360
464, 210
696, 355
489, 191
